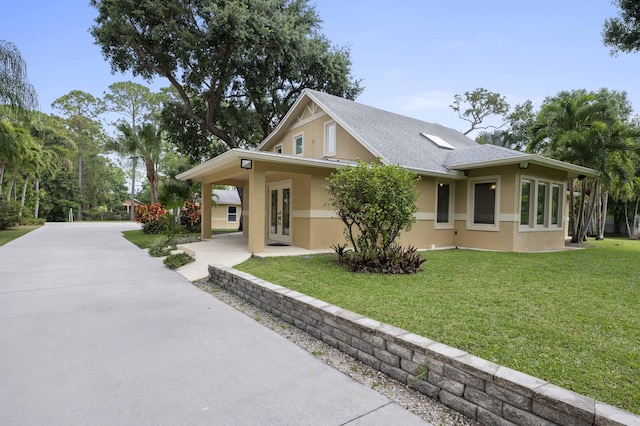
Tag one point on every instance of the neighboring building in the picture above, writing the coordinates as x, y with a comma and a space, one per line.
127, 204
227, 210
471, 195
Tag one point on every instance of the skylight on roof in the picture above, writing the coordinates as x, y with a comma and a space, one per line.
438, 141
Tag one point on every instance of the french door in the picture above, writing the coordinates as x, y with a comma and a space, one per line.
279, 212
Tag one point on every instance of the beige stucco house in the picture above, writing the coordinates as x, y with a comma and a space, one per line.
471, 195
226, 210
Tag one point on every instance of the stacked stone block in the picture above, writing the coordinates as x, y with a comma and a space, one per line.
483, 391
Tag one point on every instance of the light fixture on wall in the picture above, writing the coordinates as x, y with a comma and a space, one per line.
246, 164
523, 166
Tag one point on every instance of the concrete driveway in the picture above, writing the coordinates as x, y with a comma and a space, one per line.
94, 331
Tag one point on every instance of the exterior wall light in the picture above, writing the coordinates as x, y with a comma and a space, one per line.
523, 165
246, 164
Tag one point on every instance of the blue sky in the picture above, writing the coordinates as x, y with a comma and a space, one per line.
413, 56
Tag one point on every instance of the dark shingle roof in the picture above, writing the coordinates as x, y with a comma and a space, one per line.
398, 139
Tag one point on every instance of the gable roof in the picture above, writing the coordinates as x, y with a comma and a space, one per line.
226, 196
412, 143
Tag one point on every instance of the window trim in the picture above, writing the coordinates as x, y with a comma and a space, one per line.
295, 139
471, 183
235, 214
450, 221
327, 152
548, 204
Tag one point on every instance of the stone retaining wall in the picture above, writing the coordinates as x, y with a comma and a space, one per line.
481, 390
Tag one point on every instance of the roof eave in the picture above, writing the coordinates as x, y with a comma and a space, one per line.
529, 158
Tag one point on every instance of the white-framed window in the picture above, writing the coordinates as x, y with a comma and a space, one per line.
298, 144
232, 213
330, 130
278, 149
444, 205
540, 204
483, 202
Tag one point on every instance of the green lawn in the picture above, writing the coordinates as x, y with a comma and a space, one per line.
145, 241
12, 233
571, 317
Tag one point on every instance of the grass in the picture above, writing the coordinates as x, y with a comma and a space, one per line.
571, 318
11, 234
145, 241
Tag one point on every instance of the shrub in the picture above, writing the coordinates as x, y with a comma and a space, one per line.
161, 248
394, 260
30, 221
9, 214
152, 217
174, 261
375, 202
190, 216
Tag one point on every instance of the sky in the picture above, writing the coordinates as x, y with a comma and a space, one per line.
412, 56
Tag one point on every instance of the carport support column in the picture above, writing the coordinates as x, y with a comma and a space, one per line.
257, 209
205, 222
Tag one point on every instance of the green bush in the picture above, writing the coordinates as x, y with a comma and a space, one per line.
174, 261
394, 260
30, 221
9, 214
375, 202
161, 248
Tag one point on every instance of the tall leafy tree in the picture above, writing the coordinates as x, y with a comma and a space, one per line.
237, 66
622, 33
15, 89
138, 107
81, 111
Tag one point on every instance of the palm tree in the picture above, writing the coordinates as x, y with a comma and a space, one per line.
145, 143
15, 89
579, 129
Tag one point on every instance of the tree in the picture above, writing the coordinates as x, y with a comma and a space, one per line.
375, 202
144, 142
237, 66
622, 33
479, 105
81, 110
585, 128
15, 89
139, 133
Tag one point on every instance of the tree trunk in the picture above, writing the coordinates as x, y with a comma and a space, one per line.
576, 238
2, 166
81, 185
634, 229
603, 215
152, 177
24, 195
132, 207
36, 186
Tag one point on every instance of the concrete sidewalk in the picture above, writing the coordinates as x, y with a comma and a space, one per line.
94, 331
229, 250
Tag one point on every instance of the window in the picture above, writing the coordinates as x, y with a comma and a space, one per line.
330, 139
232, 214
484, 203
555, 205
297, 145
278, 149
444, 203
542, 204
525, 202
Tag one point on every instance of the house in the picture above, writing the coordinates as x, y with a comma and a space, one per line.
226, 209
471, 195
127, 204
